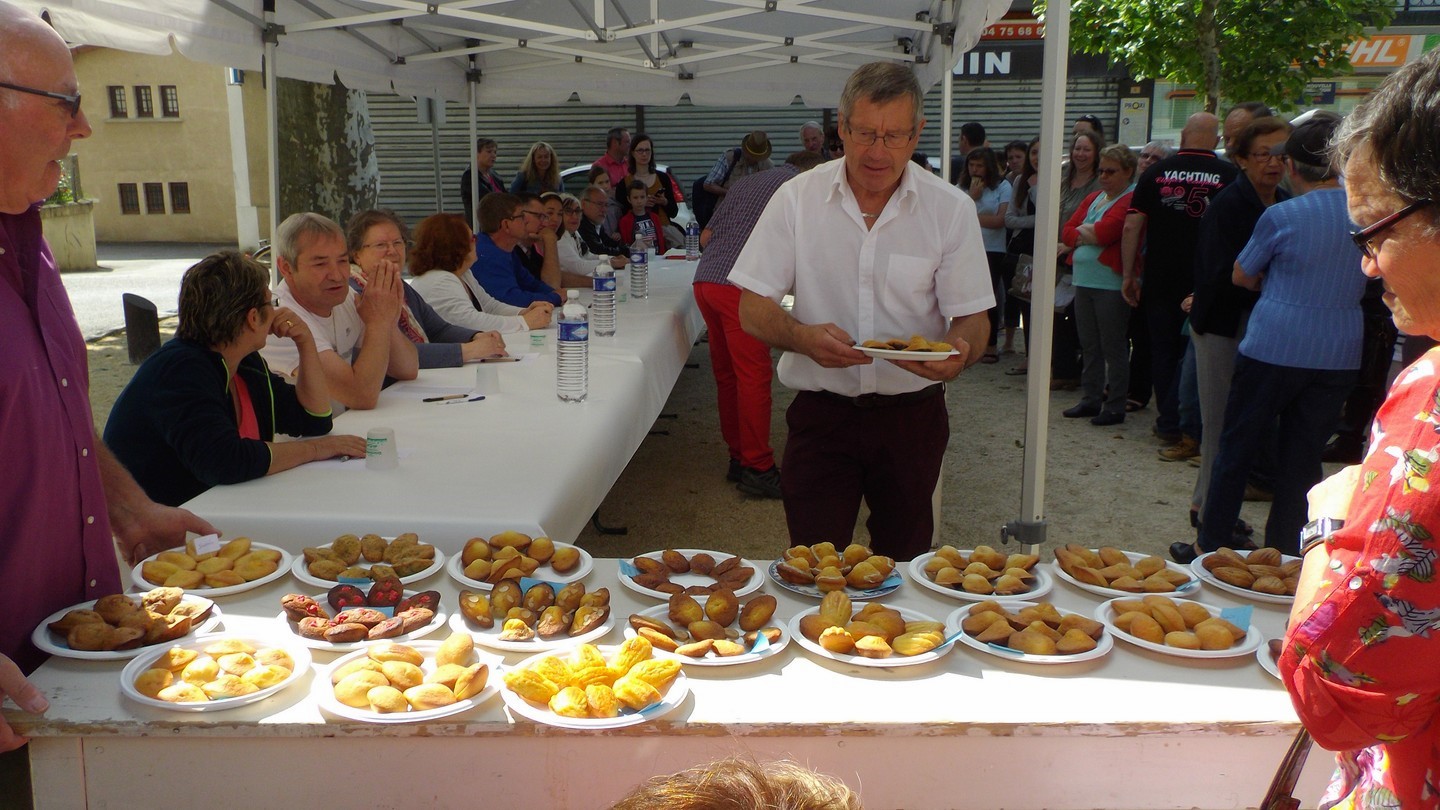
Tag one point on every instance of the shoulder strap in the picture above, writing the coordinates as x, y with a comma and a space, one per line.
734, 158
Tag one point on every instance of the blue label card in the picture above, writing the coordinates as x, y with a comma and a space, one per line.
628, 569
1238, 616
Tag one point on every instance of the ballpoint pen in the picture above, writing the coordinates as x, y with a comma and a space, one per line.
462, 402
442, 399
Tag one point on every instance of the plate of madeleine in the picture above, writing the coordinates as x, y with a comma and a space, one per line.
1030, 632
1179, 627
661, 574
590, 687
1263, 575
338, 625
213, 673
240, 565
818, 569
748, 634
371, 557
511, 555
536, 618
981, 574
1109, 572
122, 626
408, 682
917, 347
870, 634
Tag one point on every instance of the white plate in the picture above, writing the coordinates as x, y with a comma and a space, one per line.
281, 570
324, 691
1043, 584
952, 626
310, 579
132, 670
889, 586
1188, 589
661, 612
686, 580
350, 646
1105, 614
54, 643
456, 569
1268, 661
860, 660
1197, 568
900, 354
491, 638
674, 696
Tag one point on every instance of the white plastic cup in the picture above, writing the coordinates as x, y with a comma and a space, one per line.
380, 450
487, 379
538, 340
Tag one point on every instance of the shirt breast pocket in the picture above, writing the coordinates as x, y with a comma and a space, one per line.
909, 280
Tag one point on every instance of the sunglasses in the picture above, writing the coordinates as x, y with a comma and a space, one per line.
1365, 237
72, 102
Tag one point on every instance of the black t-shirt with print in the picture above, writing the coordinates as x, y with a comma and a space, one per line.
1173, 195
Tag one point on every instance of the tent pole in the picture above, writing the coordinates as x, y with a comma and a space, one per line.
947, 113
1030, 527
437, 106
472, 80
272, 132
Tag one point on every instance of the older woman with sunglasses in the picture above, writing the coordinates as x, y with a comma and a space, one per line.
1362, 629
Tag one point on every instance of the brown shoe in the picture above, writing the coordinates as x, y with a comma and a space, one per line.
1184, 449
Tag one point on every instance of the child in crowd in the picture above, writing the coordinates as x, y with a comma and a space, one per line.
637, 220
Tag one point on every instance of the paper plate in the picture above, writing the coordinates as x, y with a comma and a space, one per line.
298, 653
952, 626
324, 691
628, 572
1268, 662
320, 644
491, 637
674, 696
900, 354
54, 643
889, 586
456, 569
1197, 567
1105, 614
281, 570
860, 660
1188, 589
300, 572
1043, 583
711, 659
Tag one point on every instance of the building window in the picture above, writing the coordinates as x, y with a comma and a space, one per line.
154, 198
169, 101
117, 102
129, 199
144, 103
179, 198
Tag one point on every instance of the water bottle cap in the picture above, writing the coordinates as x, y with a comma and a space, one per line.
572, 294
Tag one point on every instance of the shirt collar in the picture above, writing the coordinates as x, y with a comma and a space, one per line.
906, 194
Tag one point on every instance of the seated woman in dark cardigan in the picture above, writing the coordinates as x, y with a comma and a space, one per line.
205, 409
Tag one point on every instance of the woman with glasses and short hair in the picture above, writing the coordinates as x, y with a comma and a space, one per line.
205, 408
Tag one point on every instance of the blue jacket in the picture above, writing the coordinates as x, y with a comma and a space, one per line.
504, 277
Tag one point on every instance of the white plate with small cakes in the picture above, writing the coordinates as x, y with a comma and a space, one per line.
892, 660
687, 579
435, 623
324, 689
1040, 584
711, 658
1106, 615
1187, 589
296, 654
55, 643
1197, 567
302, 572
281, 569
1102, 648
890, 585
545, 572
903, 354
671, 698
490, 637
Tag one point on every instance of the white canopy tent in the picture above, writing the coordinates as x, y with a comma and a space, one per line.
650, 52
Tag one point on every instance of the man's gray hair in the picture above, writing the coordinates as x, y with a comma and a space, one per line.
881, 82
815, 125
295, 226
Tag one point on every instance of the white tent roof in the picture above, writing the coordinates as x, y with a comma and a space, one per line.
538, 52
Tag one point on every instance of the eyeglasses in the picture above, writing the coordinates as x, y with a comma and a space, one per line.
1108, 172
868, 137
536, 214
72, 102
1265, 157
571, 209
1365, 237
397, 246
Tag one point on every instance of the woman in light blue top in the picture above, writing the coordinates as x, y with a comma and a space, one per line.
991, 192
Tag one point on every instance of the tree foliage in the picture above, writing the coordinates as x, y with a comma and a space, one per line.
1263, 50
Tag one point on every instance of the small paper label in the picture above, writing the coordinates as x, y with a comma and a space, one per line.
208, 544
1238, 616
628, 569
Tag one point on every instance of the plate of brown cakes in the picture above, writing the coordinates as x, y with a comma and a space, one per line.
661, 574
122, 626
371, 557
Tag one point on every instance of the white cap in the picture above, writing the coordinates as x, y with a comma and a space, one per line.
573, 295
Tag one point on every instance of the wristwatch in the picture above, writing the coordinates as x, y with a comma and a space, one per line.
1317, 532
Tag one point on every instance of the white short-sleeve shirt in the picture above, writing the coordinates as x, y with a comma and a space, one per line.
342, 332
921, 264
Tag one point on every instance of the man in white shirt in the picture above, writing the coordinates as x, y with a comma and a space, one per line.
314, 265
872, 248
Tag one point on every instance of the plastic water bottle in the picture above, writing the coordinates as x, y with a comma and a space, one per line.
602, 304
692, 241
639, 269
572, 355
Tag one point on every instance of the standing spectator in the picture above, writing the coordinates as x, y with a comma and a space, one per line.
1020, 219
1080, 179
1237, 118
752, 157
614, 161
970, 137
485, 152
1091, 123
1015, 159
1140, 387
539, 172
498, 266
1165, 213
1152, 153
991, 193
1101, 315
812, 138
1301, 349
663, 195
834, 146
1348, 445
876, 229
741, 363
638, 221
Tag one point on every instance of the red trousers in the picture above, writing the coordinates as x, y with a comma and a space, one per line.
742, 374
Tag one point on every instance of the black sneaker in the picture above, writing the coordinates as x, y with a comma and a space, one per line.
761, 484
733, 474
1183, 552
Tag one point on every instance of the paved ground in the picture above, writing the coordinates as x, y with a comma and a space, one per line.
148, 269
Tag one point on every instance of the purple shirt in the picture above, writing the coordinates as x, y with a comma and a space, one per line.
735, 218
55, 543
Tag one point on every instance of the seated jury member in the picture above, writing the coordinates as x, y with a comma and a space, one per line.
594, 204
497, 266
205, 409
315, 270
377, 236
440, 263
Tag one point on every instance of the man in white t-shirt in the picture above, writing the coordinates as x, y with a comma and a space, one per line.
314, 265
872, 247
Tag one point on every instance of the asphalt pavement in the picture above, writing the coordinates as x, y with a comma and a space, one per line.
148, 269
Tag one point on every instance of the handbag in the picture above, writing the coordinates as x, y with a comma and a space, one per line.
1281, 795
1024, 280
